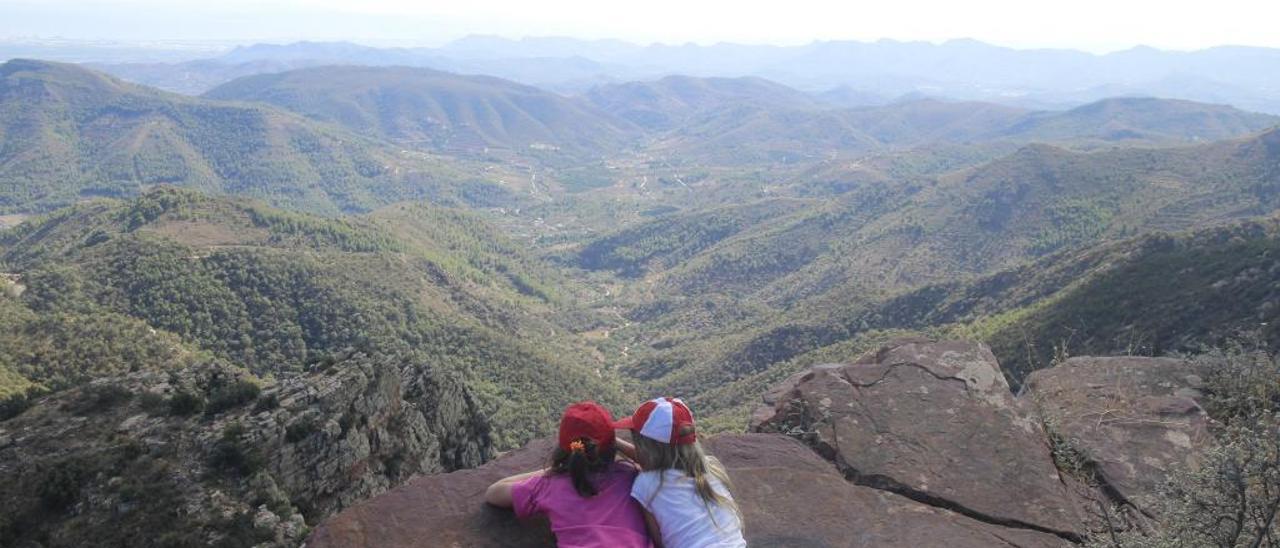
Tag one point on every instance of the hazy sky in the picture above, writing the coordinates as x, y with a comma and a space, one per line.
1094, 25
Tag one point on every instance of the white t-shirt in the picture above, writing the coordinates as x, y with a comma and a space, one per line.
681, 514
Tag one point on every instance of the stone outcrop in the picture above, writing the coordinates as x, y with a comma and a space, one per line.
369, 432
1128, 420
916, 444
935, 422
790, 496
115, 461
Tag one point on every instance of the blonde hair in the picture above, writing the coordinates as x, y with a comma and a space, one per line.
696, 464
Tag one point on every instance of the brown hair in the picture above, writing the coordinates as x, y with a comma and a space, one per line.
695, 463
582, 464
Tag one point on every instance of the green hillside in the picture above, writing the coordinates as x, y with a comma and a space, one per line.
1131, 119
1151, 295
775, 284
175, 276
886, 234
762, 130
674, 101
808, 232
67, 134
427, 109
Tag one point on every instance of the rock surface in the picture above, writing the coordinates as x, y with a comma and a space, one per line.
1130, 419
112, 463
932, 421
790, 496
916, 444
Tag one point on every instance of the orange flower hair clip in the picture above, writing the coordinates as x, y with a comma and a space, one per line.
577, 446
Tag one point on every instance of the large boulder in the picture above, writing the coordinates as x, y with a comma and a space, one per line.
935, 422
790, 496
1130, 420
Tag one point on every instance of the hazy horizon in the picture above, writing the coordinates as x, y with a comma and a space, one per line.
1093, 26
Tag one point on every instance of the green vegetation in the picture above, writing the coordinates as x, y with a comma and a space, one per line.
1231, 498
751, 232
806, 232
235, 455
671, 241
72, 134
428, 109
231, 395
174, 278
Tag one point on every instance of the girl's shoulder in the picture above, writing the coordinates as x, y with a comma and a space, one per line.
623, 468
668, 474
660, 477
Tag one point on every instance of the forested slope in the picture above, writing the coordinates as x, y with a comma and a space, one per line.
175, 276
428, 109
67, 133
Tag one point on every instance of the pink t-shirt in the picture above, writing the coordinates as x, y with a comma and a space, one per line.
610, 518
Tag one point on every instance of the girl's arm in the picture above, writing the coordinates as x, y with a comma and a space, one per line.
499, 494
627, 449
651, 524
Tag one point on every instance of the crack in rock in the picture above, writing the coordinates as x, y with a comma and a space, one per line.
888, 484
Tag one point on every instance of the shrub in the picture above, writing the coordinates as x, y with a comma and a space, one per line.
268, 403
301, 429
231, 454
16, 404
60, 486
1232, 498
99, 398
184, 404
153, 403
233, 395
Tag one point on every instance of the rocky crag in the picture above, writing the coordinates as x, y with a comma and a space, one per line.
205, 457
917, 444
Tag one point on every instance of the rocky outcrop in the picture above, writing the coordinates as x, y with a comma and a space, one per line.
365, 432
1126, 421
934, 422
790, 497
916, 444
204, 457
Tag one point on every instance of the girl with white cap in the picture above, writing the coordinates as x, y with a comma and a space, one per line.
684, 492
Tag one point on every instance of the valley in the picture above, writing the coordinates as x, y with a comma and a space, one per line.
182, 261
685, 235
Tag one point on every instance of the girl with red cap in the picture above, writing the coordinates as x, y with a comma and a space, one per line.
585, 493
684, 491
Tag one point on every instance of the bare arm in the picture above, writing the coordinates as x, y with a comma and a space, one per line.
651, 524
499, 494
627, 449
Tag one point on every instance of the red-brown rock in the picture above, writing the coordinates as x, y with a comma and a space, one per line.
934, 421
1133, 418
790, 495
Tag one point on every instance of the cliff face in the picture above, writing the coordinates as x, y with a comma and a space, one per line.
199, 457
917, 444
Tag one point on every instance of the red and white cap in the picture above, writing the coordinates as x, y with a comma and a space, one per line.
662, 419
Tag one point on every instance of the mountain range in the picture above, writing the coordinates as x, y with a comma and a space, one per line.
418, 106
339, 266
352, 138
871, 72
71, 133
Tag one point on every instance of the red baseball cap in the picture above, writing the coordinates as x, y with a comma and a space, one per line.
589, 420
662, 419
